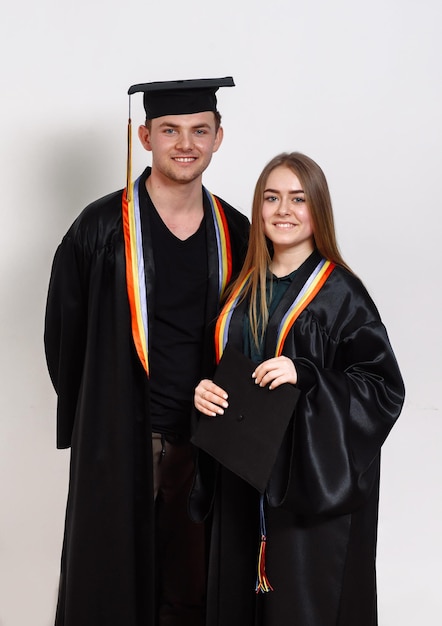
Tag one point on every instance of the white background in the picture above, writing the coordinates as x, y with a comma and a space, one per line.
356, 86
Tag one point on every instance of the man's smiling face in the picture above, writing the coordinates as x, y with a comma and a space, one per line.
181, 145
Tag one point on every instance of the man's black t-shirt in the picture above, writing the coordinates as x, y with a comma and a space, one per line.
175, 345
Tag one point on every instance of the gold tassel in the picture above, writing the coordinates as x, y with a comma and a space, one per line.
129, 158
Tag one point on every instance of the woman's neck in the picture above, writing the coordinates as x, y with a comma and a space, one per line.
286, 261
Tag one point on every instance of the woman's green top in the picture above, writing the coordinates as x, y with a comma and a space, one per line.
275, 289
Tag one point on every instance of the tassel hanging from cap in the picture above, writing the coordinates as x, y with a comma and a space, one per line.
129, 157
262, 582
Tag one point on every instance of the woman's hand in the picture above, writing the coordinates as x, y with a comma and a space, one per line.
275, 372
210, 399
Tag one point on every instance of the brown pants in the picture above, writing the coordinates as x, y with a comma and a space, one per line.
180, 543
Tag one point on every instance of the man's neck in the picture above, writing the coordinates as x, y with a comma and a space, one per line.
180, 205
170, 196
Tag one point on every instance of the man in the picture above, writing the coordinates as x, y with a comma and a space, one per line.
135, 286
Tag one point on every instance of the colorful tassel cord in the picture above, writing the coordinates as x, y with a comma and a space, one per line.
262, 582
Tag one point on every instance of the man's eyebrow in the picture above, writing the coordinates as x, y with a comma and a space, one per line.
166, 124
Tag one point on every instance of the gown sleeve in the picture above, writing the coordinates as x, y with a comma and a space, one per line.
65, 334
349, 403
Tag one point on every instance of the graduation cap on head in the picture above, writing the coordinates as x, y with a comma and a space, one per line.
177, 97
248, 436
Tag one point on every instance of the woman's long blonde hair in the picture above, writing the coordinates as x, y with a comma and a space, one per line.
259, 251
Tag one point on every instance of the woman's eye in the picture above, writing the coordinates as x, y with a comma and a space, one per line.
298, 199
270, 198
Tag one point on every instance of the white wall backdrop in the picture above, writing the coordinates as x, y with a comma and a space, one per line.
357, 86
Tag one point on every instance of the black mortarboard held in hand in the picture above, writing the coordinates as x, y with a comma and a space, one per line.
177, 97
247, 437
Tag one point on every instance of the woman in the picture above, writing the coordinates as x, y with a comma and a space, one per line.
321, 503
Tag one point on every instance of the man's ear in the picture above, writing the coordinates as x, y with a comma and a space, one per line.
144, 137
219, 138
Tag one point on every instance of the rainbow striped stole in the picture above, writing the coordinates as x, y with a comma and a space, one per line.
223, 321
135, 279
222, 242
135, 272
310, 289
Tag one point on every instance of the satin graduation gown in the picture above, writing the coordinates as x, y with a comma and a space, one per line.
107, 571
322, 498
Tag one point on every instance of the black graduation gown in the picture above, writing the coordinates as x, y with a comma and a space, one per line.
322, 498
107, 572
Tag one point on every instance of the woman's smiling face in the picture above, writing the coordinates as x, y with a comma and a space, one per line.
285, 213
